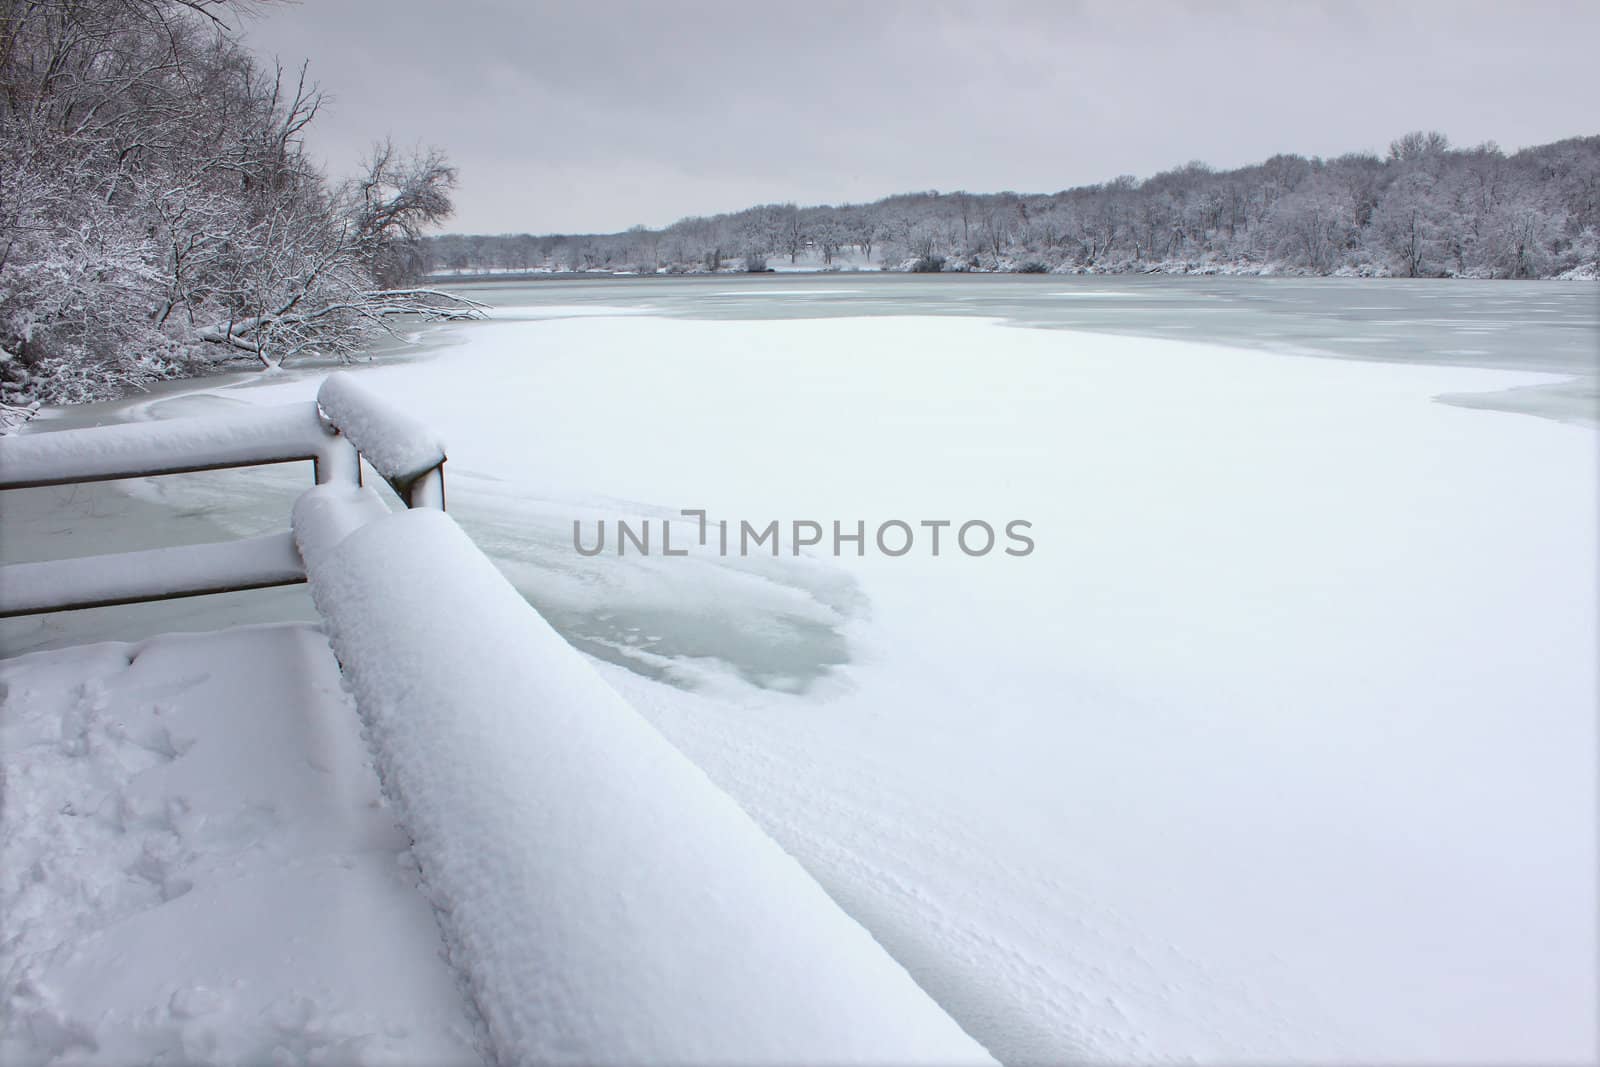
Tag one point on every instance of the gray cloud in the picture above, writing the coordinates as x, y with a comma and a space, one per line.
595, 116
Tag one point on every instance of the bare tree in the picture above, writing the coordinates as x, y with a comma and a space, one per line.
1311, 226
158, 213
1418, 146
1426, 208
1405, 226
394, 201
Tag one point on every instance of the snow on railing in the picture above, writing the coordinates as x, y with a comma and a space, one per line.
266, 435
400, 448
154, 574
602, 899
347, 422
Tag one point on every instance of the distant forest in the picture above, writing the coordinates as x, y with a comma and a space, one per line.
1426, 209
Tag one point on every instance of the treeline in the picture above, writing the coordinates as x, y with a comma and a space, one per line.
1425, 209
158, 212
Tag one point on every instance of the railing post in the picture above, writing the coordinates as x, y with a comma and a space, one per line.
427, 491
403, 451
337, 462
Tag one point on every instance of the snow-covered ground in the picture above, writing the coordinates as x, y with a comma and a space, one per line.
198, 867
1279, 746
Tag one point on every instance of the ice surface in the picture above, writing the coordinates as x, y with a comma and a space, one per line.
559, 311
763, 292
195, 865
606, 903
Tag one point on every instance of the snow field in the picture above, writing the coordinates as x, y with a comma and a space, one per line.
1280, 747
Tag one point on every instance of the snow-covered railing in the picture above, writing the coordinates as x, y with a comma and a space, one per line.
400, 448
346, 422
602, 899
154, 574
284, 434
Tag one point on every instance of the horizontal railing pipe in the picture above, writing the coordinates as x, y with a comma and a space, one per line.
153, 574
173, 446
348, 422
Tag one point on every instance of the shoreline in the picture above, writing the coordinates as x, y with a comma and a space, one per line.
1589, 273
1573, 400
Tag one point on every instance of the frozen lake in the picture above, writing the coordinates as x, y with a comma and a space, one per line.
1412, 320
1280, 744
1536, 326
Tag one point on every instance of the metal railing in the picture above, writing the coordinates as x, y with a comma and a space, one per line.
345, 424
537, 802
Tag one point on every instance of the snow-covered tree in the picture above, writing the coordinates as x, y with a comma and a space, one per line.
1424, 208
158, 212
392, 203
1407, 226
1314, 225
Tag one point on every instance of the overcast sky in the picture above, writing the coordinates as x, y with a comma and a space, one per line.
588, 116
